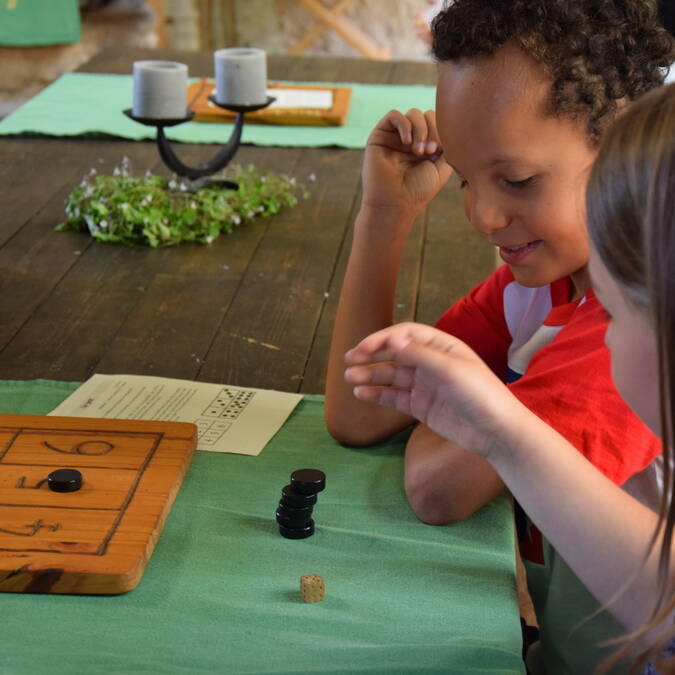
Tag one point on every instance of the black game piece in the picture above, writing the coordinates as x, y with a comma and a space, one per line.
308, 481
290, 517
297, 532
289, 497
64, 480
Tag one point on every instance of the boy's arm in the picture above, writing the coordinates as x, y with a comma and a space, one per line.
445, 483
402, 171
366, 305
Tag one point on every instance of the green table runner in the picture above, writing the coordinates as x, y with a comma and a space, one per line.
33, 23
220, 594
83, 103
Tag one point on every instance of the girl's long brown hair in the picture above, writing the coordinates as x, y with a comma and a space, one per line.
631, 221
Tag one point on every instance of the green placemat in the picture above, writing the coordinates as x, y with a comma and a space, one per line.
220, 594
83, 103
33, 23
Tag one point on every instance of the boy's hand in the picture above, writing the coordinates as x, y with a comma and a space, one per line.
439, 380
403, 167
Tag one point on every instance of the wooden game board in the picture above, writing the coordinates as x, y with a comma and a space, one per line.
100, 538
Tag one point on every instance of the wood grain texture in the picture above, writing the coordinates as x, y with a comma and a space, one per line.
255, 308
99, 539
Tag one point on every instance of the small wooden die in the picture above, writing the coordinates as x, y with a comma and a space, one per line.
312, 588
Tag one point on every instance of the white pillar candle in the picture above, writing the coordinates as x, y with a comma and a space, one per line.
241, 76
160, 89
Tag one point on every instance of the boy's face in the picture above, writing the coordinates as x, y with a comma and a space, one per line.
523, 170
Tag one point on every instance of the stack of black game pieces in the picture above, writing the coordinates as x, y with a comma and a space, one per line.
294, 513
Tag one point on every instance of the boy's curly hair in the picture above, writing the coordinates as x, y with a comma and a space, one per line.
596, 51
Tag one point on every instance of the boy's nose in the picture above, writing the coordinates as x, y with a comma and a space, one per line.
486, 216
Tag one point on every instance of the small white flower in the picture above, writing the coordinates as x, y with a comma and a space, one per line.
226, 267
92, 172
312, 176
263, 179
103, 224
148, 174
292, 180
193, 205
125, 205
209, 239
116, 171
91, 224
260, 209
235, 218
326, 294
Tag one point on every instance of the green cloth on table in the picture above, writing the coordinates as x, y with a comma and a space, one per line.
220, 594
84, 103
34, 23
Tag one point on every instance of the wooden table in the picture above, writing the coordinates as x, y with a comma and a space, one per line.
255, 308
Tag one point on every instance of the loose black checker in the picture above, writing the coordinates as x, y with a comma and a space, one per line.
64, 480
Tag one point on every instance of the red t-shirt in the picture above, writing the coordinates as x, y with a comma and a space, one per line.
552, 354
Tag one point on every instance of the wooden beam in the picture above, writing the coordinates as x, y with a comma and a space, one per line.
306, 42
348, 31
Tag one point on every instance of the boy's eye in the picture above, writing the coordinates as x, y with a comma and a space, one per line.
519, 183
463, 183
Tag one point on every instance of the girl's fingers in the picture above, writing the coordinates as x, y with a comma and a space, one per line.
393, 398
382, 374
388, 343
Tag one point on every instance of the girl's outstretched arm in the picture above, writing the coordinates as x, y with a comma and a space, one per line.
600, 530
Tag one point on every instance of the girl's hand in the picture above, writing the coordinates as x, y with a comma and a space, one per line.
439, 380
403, 167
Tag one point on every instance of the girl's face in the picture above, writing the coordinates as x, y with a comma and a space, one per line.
632, 344
523, 170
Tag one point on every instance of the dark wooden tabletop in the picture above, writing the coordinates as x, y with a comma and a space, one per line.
254, 308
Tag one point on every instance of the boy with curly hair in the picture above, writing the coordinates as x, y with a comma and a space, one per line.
526, 89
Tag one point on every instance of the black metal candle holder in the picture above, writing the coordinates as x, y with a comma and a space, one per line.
201, 175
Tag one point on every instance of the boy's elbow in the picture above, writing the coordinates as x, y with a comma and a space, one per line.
434, 506
346, 434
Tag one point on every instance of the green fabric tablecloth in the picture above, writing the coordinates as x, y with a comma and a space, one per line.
220, 594
83, 103
33, 23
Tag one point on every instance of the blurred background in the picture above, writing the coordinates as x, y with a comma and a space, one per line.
30, 59
41, 39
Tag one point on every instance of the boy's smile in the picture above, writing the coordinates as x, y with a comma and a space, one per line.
523, 170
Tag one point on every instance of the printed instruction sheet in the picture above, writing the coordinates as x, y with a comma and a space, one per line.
230, 419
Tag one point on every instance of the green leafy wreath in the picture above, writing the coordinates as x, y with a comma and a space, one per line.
155, 211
